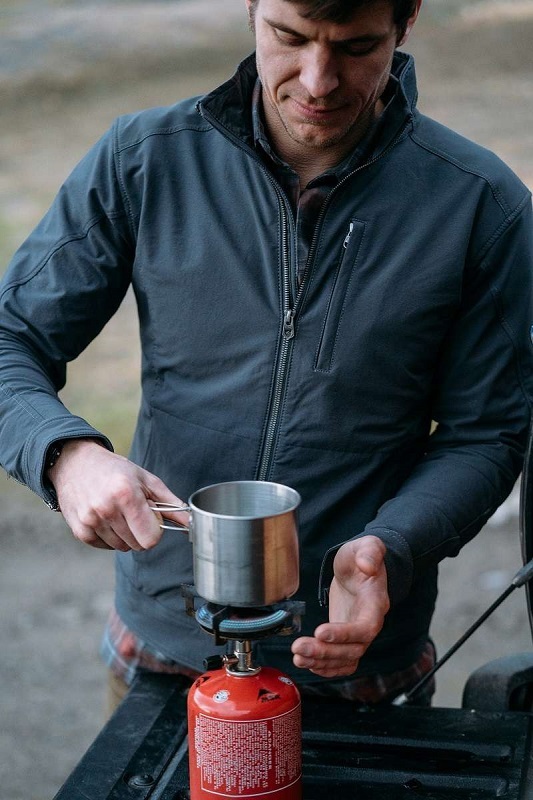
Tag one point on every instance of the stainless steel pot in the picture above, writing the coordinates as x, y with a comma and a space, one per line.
245, 541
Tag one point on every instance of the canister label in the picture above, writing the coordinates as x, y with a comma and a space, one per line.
250, 758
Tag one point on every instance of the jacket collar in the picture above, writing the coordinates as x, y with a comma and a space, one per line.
229, 107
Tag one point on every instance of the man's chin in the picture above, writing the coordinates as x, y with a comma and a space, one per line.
317, 137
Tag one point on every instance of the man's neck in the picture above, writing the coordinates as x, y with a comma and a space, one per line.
308, 162
310, 166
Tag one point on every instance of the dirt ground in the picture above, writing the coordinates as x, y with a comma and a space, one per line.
66, 69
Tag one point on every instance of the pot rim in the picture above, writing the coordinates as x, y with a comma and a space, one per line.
296, 500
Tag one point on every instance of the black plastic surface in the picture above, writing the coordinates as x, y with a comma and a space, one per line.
505, 684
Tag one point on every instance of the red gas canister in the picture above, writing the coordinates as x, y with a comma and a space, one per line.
244, 736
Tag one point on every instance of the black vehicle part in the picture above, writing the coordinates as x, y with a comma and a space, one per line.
505, 684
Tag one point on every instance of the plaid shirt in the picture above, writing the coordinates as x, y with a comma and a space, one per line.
123, 651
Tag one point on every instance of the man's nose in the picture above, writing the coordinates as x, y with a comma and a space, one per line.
319, 73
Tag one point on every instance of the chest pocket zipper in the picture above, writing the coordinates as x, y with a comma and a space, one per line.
340, 288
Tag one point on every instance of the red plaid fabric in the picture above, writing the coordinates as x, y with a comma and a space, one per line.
126, 654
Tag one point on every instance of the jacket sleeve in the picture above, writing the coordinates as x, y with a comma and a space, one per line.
62, 286
481, 408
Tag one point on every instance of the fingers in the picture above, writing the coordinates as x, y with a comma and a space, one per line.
103, 539
328, 659
105, 498
110, 534
92, 529
124, 521
119, 516
93, 540
114, 532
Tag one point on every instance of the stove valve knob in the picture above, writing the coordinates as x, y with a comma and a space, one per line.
213, 662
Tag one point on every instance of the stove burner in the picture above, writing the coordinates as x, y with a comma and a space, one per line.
233, 623
242, 623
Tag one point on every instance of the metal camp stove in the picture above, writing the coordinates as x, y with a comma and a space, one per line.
244, 720
228, 623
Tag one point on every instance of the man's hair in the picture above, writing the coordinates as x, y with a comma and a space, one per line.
340, 11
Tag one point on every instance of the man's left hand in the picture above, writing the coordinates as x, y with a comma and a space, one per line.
358, 603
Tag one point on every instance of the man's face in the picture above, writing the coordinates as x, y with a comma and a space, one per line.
321, 81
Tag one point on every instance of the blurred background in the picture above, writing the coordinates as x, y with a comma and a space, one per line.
66, 70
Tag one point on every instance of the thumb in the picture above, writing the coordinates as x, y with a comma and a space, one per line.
366, 554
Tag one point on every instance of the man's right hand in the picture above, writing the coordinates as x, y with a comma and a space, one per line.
105, 498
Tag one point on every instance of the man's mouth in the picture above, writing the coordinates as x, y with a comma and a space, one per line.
314, 112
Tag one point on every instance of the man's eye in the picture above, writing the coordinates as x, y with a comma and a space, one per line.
359, 49
289, 39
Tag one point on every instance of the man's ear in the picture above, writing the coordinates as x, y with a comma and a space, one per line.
410, 22
251, 14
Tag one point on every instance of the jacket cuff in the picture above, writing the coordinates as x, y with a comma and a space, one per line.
398, 563
326, 575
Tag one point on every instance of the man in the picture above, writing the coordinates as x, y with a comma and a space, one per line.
334, 293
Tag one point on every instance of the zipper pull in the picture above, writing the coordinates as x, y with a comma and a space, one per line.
288, 325
347, 237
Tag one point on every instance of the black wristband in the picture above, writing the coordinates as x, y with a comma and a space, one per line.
53, 455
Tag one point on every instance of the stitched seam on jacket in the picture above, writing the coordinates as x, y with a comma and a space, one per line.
70, 239
455, 540
163, 132
117, 164
512, 216
465, 168
521, 381
199, 425
17, 397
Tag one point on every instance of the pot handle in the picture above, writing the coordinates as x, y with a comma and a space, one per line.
169, 507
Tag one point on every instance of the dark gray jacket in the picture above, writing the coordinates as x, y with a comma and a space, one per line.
416, 306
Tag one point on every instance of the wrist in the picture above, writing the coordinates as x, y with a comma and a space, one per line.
58, 452
56, 464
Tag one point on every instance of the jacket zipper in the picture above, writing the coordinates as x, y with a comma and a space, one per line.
283, 358
348, 236
290, 313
